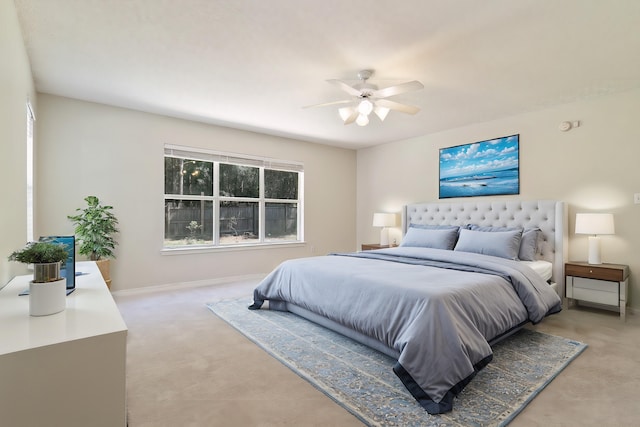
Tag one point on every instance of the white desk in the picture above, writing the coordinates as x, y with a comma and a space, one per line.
66, 369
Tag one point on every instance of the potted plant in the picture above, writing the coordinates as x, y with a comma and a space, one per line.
95, 226
47, 290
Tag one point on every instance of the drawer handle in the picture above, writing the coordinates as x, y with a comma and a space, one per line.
590, 271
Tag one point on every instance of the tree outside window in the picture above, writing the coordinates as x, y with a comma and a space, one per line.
210, 202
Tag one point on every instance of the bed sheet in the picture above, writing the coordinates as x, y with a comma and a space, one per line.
543, 268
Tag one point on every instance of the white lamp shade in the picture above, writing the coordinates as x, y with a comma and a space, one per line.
381, 112
384, 220
594, 223
345, 113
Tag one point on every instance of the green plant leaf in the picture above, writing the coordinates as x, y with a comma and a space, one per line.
94, 229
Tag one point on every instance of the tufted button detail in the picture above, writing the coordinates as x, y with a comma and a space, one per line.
511, 214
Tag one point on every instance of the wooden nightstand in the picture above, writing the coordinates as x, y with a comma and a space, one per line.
605, 284
372, 246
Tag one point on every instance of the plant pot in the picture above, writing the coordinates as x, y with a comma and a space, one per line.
47, 298
105, 270
48, 272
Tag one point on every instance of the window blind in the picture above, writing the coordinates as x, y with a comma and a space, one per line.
232, 158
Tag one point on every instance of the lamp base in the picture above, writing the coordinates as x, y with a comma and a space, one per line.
594, 250
384, 236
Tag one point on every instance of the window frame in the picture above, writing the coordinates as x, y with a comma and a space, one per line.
217, 158
31, 118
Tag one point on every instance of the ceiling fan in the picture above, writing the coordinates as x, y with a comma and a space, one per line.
367, 98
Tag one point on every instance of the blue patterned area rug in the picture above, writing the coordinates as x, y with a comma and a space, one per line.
361, 379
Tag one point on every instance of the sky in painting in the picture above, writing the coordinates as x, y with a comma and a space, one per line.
480, 157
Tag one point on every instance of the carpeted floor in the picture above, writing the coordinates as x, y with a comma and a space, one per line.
361, 380
187, 367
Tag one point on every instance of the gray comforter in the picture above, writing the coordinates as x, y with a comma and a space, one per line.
438, 309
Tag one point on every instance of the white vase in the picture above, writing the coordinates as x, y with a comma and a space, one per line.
47, 298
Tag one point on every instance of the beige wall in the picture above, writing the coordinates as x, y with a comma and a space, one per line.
592, 168
16, 86
117, 154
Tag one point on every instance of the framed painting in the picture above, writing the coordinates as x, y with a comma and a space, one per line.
485, 168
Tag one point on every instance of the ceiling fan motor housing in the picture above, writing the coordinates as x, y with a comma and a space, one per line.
366, 89
365, 74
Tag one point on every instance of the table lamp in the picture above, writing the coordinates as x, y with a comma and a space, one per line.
594, 224
384, 220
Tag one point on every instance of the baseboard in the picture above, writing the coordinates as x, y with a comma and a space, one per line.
185, 285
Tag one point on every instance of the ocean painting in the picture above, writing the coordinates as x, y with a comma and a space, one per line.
484, 168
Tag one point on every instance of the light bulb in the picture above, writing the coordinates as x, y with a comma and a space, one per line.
362, 120
365, 107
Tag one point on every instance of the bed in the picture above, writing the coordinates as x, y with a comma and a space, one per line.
456, 284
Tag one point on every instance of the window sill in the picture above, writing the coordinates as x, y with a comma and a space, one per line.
186, 250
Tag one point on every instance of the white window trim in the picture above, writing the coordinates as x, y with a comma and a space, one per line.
31, 118
218, 157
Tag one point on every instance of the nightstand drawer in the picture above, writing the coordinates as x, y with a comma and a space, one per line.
598, 291
596, 272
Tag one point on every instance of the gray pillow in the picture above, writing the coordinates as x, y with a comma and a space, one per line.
528, 244
503, 244
430, 238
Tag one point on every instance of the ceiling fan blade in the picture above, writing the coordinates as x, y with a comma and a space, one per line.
345, 87
396, 106
398, 89
344, 101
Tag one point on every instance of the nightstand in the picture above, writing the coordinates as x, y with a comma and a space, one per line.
605, 284
372, 246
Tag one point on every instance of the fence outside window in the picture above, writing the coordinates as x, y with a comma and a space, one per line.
215, 199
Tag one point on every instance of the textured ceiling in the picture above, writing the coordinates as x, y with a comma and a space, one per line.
253, 64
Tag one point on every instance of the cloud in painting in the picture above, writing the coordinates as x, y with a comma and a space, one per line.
480, 157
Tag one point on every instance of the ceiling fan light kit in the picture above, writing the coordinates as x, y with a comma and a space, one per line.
345, 113
365, 107
367, 98
362, 120
381, 112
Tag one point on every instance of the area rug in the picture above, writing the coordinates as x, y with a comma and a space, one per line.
362, 381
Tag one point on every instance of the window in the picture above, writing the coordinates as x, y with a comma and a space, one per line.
216, 199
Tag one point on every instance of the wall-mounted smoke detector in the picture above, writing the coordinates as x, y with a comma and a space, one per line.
567, 125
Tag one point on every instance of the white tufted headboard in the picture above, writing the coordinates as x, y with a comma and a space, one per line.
548, 215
